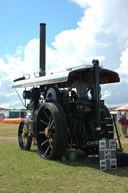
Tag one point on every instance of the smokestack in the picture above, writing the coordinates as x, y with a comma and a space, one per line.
42, 48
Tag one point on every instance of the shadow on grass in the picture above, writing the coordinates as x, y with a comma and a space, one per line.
121, 171
83, 160
34, 149
80, 159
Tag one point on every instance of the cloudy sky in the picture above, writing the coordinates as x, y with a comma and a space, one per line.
77, 32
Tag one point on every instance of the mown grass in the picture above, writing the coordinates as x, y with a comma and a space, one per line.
27, 172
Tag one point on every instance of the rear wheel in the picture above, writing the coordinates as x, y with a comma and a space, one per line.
51, 131
24, 136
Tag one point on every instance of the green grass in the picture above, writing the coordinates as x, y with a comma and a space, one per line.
26, 172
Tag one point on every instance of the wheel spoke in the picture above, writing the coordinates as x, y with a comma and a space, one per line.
51, 143
41, 132
24, 129
46, 115
51, 124
44, 142
52, 127
24, 141
44, 122
47, 149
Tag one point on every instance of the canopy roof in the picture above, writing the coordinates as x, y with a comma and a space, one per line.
122, 108
67, 77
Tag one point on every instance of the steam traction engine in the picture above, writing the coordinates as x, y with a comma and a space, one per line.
61, 117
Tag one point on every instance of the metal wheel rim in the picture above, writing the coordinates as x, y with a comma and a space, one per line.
23, 136
46, 134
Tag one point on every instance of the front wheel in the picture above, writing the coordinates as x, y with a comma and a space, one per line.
51, 129
24, 136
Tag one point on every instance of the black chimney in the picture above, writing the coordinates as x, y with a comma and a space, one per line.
42, 48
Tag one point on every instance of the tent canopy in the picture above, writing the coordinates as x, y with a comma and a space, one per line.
122, 108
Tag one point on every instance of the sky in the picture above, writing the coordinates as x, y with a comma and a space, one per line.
77, 31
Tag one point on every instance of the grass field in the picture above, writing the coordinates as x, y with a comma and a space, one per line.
8, 130
27, 172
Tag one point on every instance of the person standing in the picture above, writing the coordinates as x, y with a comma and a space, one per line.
124, 124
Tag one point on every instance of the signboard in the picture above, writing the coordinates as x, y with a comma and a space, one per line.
107, 154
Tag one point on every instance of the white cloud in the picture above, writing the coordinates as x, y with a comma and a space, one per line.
1, 62
85, 3
10, 94
89, 59
13, 104
75, 45
19, 50
124, 63
31, 57
82, 3
106, 94
93, 17
17, 66
51, 58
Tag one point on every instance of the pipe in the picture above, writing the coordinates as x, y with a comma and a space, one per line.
97, 93
42, 48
